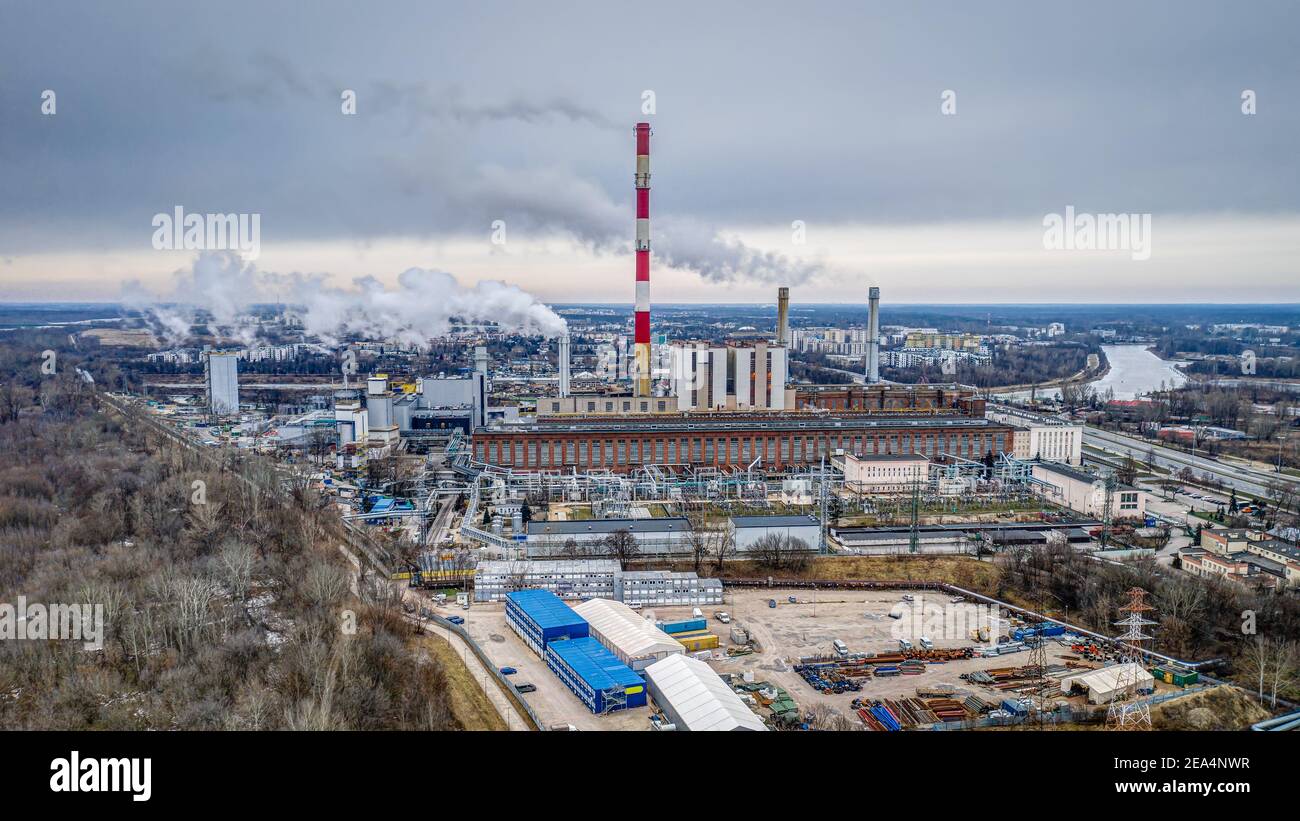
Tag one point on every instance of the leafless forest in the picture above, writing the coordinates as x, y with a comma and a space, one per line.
226, 601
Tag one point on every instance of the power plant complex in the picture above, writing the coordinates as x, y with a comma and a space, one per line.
581, 497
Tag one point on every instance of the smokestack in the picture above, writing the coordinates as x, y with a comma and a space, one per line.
481, 360
642, 326
564, 365
873, 336
783, 316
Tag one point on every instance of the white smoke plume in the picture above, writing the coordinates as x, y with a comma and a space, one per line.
551, 200
421, 306
424, 303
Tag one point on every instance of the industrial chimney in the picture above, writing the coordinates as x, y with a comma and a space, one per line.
783, 316
873, 336
481, 360
564, 365
642, 326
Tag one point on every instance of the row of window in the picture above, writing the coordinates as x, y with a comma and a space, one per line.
728, 450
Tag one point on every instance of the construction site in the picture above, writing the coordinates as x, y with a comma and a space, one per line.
872, 658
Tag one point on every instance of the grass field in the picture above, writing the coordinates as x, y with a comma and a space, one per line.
468, 702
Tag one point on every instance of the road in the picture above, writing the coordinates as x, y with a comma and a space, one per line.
1253, 482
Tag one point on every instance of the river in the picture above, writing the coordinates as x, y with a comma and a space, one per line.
1134, 371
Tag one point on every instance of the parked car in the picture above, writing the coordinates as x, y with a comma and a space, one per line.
908, 598
722, 616
926, 644
508, 671
455, 620
957, 599
526, 688
904, 644
841, 649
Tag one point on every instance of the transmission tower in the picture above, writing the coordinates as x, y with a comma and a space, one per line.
1038, 662
1108, 503
1133, 713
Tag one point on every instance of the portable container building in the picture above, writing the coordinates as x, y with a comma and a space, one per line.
539, 617
683, 626
697, 640
595, 675
634, 640
1181, 678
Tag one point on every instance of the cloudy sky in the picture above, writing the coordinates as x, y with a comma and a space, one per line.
767, 116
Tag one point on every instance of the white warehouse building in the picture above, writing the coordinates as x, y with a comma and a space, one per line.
1084, 493
694, 698
625, 633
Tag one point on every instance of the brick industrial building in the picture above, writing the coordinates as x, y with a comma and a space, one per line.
780, 441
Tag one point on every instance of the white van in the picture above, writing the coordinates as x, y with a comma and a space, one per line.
926, 644
904, 644
841, 648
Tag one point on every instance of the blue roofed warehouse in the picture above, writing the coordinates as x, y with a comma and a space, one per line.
595, 675
540, 617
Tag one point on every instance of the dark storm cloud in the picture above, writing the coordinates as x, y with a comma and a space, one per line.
767, 113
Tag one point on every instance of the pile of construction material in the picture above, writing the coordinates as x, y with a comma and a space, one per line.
1024, 680
833, 677
930, 706
784, 710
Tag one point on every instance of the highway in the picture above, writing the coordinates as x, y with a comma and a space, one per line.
1245, 480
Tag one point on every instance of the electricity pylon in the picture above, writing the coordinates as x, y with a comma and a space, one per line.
1126, 713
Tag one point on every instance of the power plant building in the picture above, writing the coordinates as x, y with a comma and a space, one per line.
779, 442
733, 377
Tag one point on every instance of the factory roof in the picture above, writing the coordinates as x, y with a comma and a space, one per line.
774, 521
598, 667
994, 527
635, 637
544, 608
543, 567
661, 525
1068, 472
700, 700
890, 457
784, 422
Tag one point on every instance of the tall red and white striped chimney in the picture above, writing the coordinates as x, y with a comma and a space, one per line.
642, 336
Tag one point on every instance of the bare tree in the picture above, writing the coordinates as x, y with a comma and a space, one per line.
236, 565
1283, 669
622, 545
